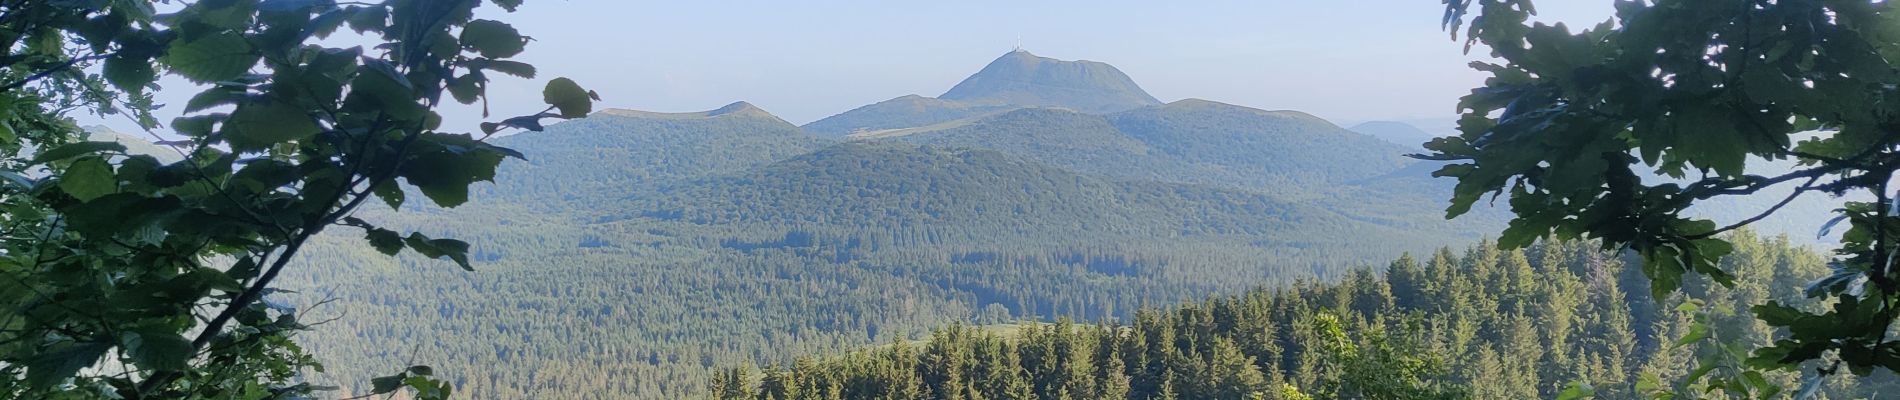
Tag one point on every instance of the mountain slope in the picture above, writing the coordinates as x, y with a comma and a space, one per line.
1015, 80
1024, 79
1399, 133
902, 112
1076, 141
987, 198
634, 250
615, 153
1275, 147
133, 144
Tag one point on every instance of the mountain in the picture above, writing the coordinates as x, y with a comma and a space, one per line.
1279, 146
987, 198
1396, 132
1024, 79
902, 112
634, 251
1188, 141
616, 153
1018, 79
1489, 324
133, 144
1064, 138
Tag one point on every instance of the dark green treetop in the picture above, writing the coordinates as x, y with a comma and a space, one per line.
123, 276
1570, 121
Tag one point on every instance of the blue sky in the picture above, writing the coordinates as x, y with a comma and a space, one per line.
1345, 60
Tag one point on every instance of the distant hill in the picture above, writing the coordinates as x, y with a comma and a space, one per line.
1286, 146
1188, 141
902, 112
633, 250
1024, 79
1396, 132
133, 144
1081, 142
987, 194
1018, 79
616, 153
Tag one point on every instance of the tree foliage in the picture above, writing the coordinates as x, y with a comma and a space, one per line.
1569, 122
1454, 326
127, 277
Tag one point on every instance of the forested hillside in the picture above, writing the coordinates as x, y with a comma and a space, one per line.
634, 251
1017, 79
1480, 323
903, 112
619, 153
1023, 79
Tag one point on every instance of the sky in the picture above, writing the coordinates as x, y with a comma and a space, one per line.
1345, 60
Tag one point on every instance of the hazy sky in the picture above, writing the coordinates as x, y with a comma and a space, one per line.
1345, 60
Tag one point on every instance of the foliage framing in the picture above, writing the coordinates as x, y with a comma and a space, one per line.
126, 277
1696, 88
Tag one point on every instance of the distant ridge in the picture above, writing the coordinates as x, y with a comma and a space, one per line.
908, 111
1016, 80
735, 109
1024, 79
1400, 133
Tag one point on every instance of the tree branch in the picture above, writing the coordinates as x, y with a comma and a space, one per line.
1804, 188
50, 71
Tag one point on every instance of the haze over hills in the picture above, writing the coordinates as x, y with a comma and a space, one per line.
1023, 79
1396, 132
1018, 79
635, 250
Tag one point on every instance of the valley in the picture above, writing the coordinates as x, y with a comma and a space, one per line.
633, 252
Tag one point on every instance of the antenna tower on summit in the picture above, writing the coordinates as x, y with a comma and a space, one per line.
1019, 42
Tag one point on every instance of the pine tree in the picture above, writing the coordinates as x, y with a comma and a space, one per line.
778, 384
1167, 391
1408, 282
732, 384
1114, 381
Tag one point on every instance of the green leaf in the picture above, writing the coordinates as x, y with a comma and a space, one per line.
516, 68
493, 39
1775, 314
466, 89
119, 213
260, 124
245, 268
214, 97
445, 165
569, 98
378, 86
391, 193
1577, 391
158, 349
211, 58
75, 150
88, 178
387, 384
386, 241
1697, 332
61, 361
129, 74
197, 125
455, 250
364, 19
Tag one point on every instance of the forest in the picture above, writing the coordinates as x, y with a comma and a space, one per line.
735, 237
289, 199
1552, 320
